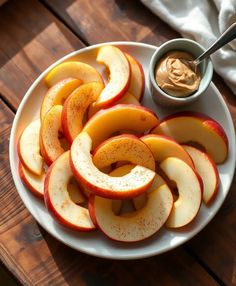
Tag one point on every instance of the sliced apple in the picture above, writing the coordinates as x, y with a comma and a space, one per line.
133, 184
189, 186
207, 170
137, 225
128, 98
74, 69
119, 78
57, 94
163, 147
125, 147
137, 80
50, 134
58, 200
119, 117
29, 150
140, 200
75, 107
35, 183
196, 127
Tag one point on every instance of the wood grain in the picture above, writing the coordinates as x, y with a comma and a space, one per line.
31, 39
112, 21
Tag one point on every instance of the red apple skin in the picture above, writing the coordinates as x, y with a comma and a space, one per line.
120, 105
166, 137
109, 102
218, 129
44, 154
217, 180
201, 188
91, 210
217, 177
27, 184
20, 156
112, 100
105, 193
51, 209
142, 76
93, 218
64, 123
207, 120
131, 136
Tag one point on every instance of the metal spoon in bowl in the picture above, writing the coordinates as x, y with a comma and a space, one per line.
225, 38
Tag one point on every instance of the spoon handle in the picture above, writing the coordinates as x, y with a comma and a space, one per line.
226, 37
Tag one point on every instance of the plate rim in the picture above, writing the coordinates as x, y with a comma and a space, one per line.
12, 148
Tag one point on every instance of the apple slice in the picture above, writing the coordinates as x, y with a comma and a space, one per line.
128, 98
35, 183
140, 200
58, 200
125, 147
119, 77
57, 94
133, 184
189, 186
207, 170
50, 144
196, 127
137, 80
73, 69
119, 117
29, 150
137, 225
163, 147
75, 107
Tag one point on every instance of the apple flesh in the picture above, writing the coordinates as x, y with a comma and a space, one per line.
119, 75
57, 94
119, 117
134, 183
29, 149
137, 225
50, 144
75, 107
137, 80
163, 147
207, 170
58, 200
128, 98
195, 127
140, 200
35, 183
73, 69
189, 186
125, 147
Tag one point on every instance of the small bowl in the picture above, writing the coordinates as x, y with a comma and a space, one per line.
206, 69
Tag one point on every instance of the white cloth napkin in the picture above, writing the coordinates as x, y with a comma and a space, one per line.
203, 21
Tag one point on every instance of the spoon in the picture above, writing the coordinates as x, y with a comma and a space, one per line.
225, 38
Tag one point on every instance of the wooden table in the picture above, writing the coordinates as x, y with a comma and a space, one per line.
34, 34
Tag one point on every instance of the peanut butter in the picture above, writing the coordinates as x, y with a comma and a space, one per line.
175, 76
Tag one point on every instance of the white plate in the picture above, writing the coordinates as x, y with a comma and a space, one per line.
95, 243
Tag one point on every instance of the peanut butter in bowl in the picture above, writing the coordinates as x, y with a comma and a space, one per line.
175, 76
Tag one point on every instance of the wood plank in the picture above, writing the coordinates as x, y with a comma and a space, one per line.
31, 39
112, 21
130, 20
36, 258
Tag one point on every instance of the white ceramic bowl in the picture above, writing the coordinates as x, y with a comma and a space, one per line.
206, 70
